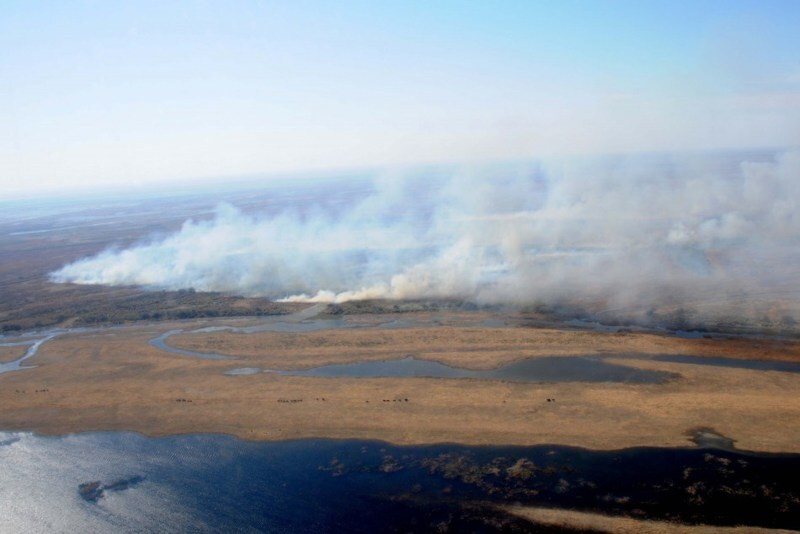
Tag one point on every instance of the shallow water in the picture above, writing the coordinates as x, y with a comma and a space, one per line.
590, 368
160, 343
546, 369
296, 322
124, 482
243, 371
16, 365
757, 365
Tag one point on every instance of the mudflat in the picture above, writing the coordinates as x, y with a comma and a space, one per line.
113, 379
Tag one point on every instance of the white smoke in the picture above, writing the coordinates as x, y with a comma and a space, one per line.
614, 233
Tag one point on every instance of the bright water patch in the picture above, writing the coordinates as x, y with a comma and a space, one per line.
16, 365
243, 371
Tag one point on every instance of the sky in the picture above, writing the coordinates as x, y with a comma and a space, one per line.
129, 94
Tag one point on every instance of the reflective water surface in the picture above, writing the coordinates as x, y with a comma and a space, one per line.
124, 482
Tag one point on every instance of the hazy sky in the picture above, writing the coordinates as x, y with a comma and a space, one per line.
99, 92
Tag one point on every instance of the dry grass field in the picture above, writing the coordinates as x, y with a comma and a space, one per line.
8, 354
574, 521
469, 346
112, 379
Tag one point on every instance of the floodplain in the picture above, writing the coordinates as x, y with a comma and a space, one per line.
112, 378
96, 362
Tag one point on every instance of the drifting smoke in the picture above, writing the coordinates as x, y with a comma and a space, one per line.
713, 236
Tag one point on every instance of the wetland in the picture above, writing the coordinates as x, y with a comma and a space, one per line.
239, 410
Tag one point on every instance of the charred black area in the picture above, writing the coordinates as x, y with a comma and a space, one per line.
379, 306
73, 305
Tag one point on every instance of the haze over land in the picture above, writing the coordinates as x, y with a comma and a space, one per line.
571, 226
692, 221
709, 236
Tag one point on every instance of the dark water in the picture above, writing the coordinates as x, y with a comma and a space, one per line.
592, 368
757, 365
547, 369
206, 483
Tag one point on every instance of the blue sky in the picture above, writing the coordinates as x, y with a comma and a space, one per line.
115, 93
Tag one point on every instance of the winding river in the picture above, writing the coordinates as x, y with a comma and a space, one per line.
588, 368
16, 365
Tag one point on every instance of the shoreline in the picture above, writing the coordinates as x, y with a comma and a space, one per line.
114, 380
383, 442
550, 484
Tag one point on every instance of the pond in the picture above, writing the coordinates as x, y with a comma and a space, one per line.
545, 369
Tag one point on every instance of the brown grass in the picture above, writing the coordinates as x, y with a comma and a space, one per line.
623, 525
473, 347
9, 354
113, 380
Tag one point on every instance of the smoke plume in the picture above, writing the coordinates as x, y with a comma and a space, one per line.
706, 237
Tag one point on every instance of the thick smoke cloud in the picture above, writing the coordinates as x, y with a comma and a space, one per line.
710, 237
